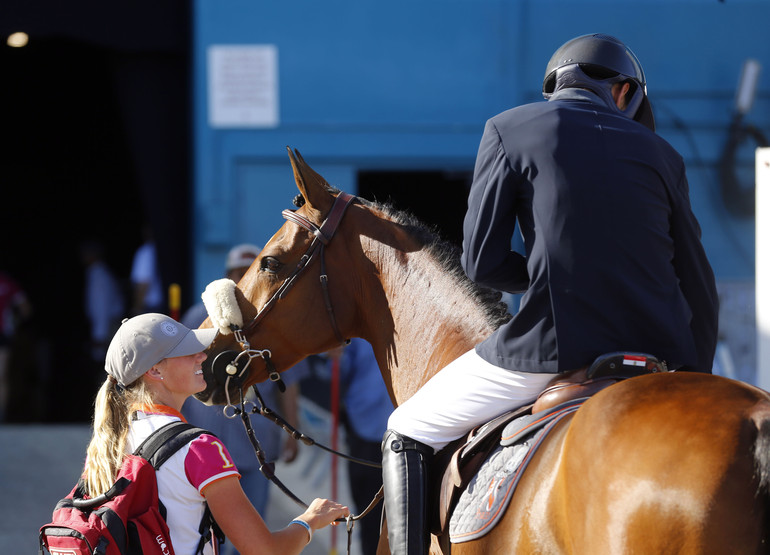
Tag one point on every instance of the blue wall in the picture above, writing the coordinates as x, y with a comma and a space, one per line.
409, 84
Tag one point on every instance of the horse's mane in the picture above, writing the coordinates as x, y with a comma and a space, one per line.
762, 458
447, 255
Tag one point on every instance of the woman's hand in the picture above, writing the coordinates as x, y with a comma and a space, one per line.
245, 528
323, 512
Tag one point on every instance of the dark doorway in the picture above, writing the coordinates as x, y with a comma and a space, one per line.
439, 199
95, 113
67, 176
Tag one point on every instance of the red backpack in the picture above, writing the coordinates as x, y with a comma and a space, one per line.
128, 519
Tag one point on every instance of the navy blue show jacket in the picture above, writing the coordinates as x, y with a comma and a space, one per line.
613, 258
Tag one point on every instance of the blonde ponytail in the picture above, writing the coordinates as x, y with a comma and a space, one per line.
112, 418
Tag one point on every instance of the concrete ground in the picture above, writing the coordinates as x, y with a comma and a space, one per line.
39, 464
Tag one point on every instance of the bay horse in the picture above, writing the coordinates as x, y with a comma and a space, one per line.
671, 462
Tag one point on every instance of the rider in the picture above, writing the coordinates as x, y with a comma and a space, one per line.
613, 261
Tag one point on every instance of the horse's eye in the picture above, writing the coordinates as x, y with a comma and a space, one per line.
269, 264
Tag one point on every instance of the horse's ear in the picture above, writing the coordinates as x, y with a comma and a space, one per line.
314, 188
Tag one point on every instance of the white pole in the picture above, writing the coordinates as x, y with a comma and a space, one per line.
762, 262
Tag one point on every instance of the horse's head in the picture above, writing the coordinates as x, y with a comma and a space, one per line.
285, 307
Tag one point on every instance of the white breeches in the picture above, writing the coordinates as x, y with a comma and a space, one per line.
464, 394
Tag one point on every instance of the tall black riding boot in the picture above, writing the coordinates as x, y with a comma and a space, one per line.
405, 477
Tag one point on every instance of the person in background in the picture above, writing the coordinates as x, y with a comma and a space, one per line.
237, 262
14, 309
613, 261
146, 284
104, 302
366, 407
274, 442
154, 364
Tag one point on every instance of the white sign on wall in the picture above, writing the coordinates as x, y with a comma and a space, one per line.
243, 85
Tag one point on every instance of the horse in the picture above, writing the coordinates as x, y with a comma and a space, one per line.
674, 462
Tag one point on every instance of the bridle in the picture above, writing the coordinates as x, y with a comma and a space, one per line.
235, 368
322, 236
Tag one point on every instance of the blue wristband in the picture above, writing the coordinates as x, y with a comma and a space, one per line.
306, 526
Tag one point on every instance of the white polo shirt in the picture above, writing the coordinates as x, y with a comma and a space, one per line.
183, 477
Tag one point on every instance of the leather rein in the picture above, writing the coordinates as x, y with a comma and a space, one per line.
322, 236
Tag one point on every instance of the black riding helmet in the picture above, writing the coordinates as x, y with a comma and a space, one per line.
596, 62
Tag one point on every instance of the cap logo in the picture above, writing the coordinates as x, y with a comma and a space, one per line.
169, 329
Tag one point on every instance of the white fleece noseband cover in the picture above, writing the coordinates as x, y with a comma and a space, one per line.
219, 300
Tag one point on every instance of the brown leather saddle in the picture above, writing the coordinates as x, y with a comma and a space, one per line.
456, 464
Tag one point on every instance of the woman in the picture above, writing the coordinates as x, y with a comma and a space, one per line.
154, 364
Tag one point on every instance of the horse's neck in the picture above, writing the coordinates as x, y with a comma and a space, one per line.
434, 320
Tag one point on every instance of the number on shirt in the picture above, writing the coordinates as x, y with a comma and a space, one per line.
228, 463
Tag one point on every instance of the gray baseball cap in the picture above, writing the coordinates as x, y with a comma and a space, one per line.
144, 340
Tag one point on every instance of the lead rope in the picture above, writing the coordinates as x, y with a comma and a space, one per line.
268, 469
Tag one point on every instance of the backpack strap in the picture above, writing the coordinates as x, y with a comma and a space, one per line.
158, 447
208, 528
166, 441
